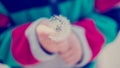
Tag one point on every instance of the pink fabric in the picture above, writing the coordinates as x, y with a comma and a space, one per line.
20, 46
3, 20
94, 37
105, 5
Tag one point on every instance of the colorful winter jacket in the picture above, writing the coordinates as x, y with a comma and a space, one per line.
19, 46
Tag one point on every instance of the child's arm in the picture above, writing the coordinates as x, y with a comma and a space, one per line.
91, 39
15, 44
99, 30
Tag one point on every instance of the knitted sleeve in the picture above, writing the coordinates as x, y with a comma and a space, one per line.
16, 48
97, 33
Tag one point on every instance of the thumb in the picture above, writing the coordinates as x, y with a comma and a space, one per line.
43, 30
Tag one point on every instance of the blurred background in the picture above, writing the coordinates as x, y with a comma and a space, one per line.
110, 55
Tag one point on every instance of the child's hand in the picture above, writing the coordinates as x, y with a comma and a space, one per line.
74, 53
69, 49
43, 32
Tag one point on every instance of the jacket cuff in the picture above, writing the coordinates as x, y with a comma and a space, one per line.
87, 54
38, 52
